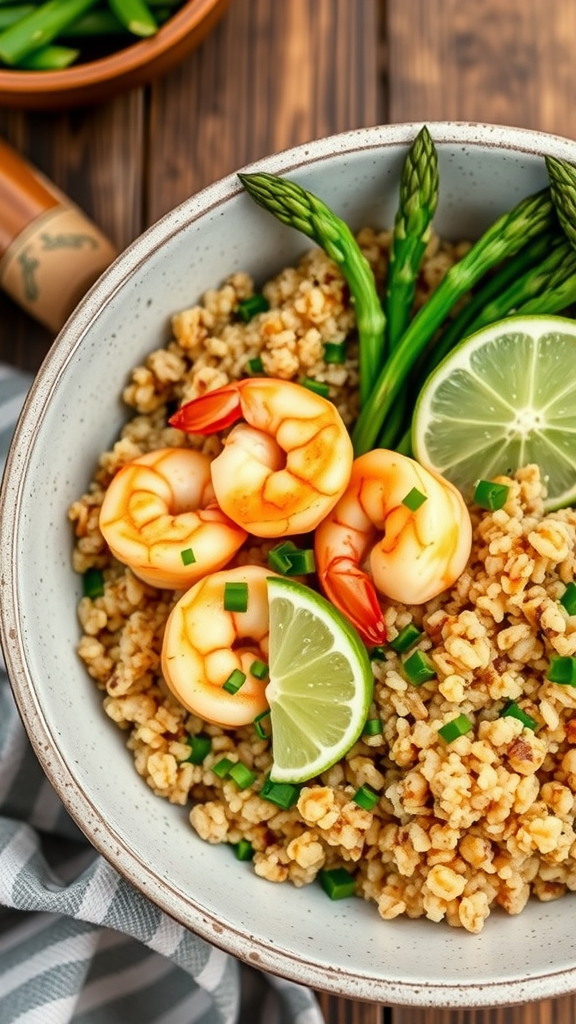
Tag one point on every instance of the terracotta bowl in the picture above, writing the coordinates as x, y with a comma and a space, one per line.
127, 68
72, 414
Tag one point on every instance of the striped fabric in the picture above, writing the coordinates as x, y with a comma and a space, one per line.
79, 945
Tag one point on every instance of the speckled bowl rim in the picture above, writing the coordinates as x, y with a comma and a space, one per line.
233, 940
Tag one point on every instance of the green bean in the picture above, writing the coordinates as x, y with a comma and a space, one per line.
10, 15
99, 22
302, 210
135, 15
39, 28
502, 240
50, 58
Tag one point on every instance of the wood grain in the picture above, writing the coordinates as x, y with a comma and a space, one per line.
271, 76
482, 60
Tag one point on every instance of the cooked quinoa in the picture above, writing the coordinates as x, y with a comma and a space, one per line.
460, 827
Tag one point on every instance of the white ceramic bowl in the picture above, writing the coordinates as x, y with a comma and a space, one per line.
72, 414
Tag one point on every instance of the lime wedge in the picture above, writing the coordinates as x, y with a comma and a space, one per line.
504, 398
321, 682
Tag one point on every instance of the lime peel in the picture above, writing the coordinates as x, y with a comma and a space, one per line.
314, 653
502, 399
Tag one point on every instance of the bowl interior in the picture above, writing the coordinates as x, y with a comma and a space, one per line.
72, 414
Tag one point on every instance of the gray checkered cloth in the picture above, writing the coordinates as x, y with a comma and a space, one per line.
79, 945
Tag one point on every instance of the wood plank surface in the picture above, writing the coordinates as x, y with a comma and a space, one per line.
482, 60
276, 73
271, 76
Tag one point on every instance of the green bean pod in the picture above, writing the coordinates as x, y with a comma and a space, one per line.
135, 15
39, 28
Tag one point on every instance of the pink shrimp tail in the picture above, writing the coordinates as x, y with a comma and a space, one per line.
213, 411
353, 593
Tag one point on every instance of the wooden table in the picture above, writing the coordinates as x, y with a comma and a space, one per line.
275, 73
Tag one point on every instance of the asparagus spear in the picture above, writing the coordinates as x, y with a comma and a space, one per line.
528, 258
562, 177
538, 290
504, 238
300, 209
412, 231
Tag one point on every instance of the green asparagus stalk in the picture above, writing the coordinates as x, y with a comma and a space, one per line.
538, 290
412, 231
300, 209
503, 239
562, 177
547, 289
527, 259
39, 28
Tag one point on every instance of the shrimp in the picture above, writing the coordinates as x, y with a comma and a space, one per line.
284, 468
160, 517
204, 644
374, 543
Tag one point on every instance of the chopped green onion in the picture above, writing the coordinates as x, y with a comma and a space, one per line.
568, 599
301, 561
406, 638
188, 557
457, 727
244, 850
236, 597
257, 723
255, 365
414, 499
291, 560
366, 798
93, 583
242, 775
259, 669
247, 308
283, 794
419, 668
235, 680
513, 710
319, 387
338, 883
335, 352
278, 557
222, 767
378, 653
200, 746
372, 727
490, 496
562, 670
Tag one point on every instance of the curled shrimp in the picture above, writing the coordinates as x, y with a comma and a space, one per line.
374, 543
160, 517
284, 468
204, 644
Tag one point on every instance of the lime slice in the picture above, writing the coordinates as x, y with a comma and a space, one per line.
320, 685
504, 398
